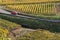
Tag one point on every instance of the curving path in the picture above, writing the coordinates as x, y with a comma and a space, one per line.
5, 11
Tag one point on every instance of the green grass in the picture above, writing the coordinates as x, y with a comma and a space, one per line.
49, 17
30, 23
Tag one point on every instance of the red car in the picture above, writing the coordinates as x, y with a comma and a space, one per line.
14, 13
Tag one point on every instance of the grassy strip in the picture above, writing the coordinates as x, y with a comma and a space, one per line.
32, 23
49, 17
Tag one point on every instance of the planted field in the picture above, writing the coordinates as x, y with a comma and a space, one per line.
35, 9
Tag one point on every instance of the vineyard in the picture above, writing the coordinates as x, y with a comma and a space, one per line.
35, 9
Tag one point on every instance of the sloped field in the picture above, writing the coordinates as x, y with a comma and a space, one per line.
35, 9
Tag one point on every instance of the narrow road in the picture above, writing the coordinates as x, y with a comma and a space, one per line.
3, 11
27, 17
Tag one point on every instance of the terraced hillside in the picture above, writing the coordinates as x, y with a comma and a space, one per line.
35, 8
